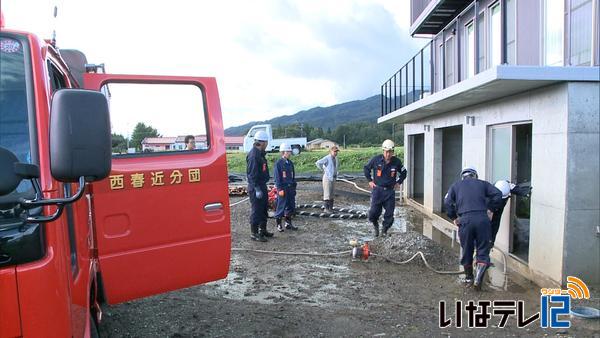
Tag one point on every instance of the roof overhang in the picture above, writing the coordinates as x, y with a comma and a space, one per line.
494, 83
437, 15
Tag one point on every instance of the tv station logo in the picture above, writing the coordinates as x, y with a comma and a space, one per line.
555, 304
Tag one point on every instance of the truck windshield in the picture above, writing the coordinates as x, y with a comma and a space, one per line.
14, 119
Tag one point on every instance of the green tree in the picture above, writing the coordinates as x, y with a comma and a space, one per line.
140, 132
119, 143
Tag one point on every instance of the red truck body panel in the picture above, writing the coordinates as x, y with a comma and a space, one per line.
142, 242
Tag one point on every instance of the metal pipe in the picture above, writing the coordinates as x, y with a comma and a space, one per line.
503, 33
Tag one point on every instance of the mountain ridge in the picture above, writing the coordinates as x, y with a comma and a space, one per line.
365, 110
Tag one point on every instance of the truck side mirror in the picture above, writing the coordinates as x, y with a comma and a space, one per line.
9, 180
80, 140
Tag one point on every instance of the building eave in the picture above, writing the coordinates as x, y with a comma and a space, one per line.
494, 83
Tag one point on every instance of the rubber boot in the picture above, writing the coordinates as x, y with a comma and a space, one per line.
480, 270
468, 274
328, 204
263, 230
385, 229
256, 235
279, 225
376, 229
288, 223
331, 204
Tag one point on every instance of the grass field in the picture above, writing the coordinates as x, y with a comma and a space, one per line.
352, 160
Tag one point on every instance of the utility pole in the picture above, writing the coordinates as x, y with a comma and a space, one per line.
394, 132
344, 141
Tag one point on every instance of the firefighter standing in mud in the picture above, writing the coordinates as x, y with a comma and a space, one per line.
285, 182
385, 174
257, 171
467, 203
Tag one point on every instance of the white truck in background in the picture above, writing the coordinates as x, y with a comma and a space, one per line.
297, 143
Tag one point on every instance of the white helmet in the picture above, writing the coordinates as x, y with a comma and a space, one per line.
469, 171
387, 145
285, 147
261, 135
504, 187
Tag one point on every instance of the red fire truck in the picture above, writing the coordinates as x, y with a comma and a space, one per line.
81, 225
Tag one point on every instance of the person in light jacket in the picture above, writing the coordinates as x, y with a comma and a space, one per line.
329, 165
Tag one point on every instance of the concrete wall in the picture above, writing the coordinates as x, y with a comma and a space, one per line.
547, 109
582, 243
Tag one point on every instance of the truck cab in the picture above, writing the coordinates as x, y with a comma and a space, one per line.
83, 223
297, 143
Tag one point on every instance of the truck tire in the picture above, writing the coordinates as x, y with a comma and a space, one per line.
296, 150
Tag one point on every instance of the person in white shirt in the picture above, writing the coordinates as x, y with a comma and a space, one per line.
329, 165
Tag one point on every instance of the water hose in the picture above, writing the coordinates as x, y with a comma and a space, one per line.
290, 253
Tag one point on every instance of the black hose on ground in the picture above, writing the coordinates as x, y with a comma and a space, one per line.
341, 213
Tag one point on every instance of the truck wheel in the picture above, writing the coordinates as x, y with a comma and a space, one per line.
296, 150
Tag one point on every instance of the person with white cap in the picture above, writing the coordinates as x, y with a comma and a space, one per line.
507, 189
285, 182
257, 172
329, 166
385, 174
467, 203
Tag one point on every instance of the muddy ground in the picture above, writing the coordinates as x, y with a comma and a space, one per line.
268, 295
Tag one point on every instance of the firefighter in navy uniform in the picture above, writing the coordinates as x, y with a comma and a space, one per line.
285, 182
385, 174
257, 171
467, 203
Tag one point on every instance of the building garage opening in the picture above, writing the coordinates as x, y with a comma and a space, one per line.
417, 172
522, 204
451, 159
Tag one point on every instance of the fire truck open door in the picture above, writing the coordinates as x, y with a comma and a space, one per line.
162, 219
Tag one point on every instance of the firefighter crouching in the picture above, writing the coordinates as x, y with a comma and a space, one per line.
257, 171
285, 182
467, 203
385, 174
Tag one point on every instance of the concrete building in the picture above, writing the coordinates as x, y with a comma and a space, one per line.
319, 143
512, 88
234, 143
154, 144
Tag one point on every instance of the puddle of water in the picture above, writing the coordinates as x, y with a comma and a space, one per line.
427, 228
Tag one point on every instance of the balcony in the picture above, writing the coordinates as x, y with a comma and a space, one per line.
410, 84
429, 17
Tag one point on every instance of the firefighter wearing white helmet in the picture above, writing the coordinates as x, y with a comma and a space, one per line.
387, 145
466, 206
507, 189
261, 136
285, 182
257, 171
385, 174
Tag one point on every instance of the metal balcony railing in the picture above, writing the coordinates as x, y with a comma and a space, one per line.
411, 83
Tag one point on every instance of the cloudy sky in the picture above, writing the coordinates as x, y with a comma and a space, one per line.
270, 57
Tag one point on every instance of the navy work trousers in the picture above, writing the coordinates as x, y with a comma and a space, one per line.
474, 233
386, 199
286, 205
258, 212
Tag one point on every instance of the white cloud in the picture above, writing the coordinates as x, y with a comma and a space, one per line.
270, 58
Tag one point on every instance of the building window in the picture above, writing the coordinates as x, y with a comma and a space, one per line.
552, 30
470, 51
449, 62
481, 63
580, 32
495, 35
511, 40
